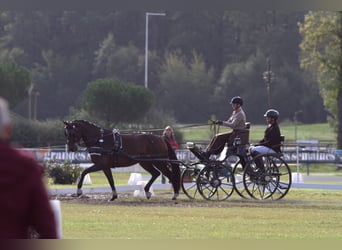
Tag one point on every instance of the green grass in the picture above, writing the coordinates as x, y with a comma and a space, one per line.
302, 214
320, 132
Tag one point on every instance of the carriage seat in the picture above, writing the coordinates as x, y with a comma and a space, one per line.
243, 134
281, 144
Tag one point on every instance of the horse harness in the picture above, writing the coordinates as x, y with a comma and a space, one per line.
117, 144
116, 150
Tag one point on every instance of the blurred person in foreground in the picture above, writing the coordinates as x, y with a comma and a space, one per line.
25, 210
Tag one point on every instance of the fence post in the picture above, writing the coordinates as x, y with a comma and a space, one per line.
297, 159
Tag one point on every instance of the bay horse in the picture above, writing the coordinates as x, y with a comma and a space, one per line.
111, 149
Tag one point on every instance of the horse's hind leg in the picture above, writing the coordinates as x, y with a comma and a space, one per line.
176, 174
154, 175
163, 167
109, 175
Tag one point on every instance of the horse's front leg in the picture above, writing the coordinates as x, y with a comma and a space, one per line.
91, 169
109, 175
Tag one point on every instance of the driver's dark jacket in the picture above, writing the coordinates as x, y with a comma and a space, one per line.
24, 199
272, 137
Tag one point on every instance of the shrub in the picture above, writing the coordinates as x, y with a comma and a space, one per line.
28, 133
63, 173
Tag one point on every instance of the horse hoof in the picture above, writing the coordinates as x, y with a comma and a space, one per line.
175, 197
79, 192
113, 198
148, 195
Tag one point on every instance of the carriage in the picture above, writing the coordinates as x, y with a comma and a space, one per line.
265, 176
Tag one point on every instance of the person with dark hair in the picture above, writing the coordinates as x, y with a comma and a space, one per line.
25, 209
237, 121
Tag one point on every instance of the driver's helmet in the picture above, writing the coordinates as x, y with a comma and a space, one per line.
237, 100
272, 113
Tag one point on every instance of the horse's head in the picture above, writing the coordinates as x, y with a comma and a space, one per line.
73, 135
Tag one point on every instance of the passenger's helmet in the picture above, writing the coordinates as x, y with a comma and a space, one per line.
237, 100
272, 113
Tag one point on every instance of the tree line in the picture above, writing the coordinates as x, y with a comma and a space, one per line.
197, 60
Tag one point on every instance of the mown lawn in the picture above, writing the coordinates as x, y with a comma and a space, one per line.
302, 214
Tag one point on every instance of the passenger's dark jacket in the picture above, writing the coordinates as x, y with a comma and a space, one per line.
24, 199
272, 137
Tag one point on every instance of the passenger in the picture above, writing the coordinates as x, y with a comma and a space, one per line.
272, 137
170, 136
25, 209
236, 122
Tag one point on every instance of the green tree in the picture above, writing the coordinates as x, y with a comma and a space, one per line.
185, 87
114, 101
322, 54
60, 80
65, 50
123, 62
14, 82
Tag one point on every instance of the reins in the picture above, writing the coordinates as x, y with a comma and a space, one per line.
130, 131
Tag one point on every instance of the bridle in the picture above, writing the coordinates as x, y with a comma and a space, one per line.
71, 133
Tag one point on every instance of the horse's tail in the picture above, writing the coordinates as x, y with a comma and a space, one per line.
174, 166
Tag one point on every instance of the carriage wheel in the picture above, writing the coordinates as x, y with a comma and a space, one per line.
188, 180
270, 179
238, 171
215, 182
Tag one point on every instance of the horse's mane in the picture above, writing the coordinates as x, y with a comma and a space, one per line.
88, 122
97, 126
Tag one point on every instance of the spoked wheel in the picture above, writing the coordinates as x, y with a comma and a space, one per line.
188, 178
267, 177
238, 171
215, 181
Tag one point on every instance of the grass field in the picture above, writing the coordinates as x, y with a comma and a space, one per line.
302, 214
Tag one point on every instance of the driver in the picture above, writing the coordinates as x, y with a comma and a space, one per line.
236, 122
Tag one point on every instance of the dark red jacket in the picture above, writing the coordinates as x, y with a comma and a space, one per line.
172, 142
24, 201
